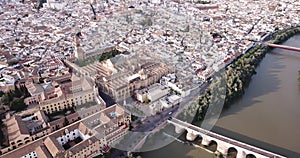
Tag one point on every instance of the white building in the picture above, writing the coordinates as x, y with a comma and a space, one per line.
157, 92
170, 101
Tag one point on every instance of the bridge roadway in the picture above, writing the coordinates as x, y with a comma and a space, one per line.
225, 139
283, 47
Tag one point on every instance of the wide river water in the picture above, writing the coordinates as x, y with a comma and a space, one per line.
267, 116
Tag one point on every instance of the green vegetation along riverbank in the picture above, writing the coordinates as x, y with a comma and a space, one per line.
238, 75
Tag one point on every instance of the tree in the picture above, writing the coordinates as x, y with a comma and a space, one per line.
17, 92
147, 101
1, 132
1, 93
18, 105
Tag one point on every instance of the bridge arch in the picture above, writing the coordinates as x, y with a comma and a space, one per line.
250, 156
213, 145
232, 152
198, 139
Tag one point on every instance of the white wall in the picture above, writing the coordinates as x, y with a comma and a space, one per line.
30, 155
71, 135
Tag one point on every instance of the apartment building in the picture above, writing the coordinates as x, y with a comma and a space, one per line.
153, 93
23, 129
85, 138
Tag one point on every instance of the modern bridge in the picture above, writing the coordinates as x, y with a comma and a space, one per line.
282, 47
223, 143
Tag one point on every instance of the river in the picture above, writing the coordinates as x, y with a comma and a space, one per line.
267, 116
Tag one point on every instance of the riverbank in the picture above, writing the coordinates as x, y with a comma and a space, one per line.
239, 74
265, 115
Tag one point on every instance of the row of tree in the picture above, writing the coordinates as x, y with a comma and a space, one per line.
239, 74
109, 55
102, 57
285, 34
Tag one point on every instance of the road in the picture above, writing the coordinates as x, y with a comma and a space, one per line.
150, 123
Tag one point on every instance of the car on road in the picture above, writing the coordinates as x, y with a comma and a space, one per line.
170, 118
170, 113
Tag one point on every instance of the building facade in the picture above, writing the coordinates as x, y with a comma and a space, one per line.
88, 137
122, 81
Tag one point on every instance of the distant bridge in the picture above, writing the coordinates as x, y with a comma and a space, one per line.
282, 47
224, 144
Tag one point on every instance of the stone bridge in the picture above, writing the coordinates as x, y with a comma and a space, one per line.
224, 144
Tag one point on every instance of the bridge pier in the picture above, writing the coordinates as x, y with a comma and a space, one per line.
241, 154
222, 148
179, 129
205, 140
190, 136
